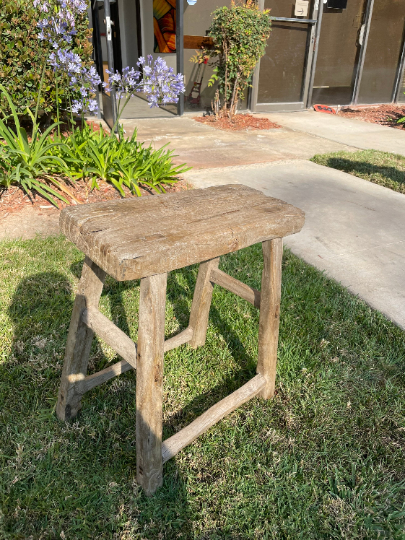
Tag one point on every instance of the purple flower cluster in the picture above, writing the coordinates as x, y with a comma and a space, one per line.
127, 83
160, 84
82, 79
58, 25
158, 81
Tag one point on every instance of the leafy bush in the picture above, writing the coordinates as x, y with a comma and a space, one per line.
123, 162
240, 35
22, 56
26, 162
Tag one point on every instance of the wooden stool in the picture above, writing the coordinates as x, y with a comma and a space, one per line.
144, 239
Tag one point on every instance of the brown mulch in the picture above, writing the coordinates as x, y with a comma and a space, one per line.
15, 199
240, 122
385, 115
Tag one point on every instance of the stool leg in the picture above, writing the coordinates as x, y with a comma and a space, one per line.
149, 379
270, 314
200, 307
79, 341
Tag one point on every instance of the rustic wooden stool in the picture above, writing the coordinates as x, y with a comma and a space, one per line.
146, 238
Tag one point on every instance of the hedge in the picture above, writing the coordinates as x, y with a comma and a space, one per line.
22, 56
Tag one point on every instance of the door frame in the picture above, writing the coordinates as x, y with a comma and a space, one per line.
400, 73
362, 55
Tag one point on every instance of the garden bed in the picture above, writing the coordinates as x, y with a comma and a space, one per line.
240, 122
15, 199
385, 115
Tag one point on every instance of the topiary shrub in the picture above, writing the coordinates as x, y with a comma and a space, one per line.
23, 54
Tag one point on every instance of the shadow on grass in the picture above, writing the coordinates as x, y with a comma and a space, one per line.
69, 473
367, 169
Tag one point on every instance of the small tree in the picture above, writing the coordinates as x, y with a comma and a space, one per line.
239, 34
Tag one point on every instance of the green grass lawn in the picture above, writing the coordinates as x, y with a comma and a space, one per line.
381, 168
324, 459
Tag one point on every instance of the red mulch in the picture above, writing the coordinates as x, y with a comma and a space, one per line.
238, 123
385, 115
15, 199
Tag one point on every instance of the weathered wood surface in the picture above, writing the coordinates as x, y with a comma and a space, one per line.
182, 337
187, 435
270, 314
149, 380
111, 334
235, 286
79, 341
139, 237
91, 381
200, 307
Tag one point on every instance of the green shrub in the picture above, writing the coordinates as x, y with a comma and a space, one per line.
122, 162
29, 162
240, 35
22, 56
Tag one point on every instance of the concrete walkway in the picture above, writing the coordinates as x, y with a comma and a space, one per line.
355, 133
201, 146
354, 230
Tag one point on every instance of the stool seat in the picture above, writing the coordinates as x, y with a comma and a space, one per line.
140, 237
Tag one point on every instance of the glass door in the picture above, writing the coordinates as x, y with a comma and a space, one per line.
282, 77
384, 47
340, 42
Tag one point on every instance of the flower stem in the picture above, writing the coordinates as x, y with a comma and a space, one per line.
57, 101
41, 82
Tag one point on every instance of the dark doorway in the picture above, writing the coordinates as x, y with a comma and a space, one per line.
338, 56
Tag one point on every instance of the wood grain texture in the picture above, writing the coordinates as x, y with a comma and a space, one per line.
187, 435
235, 286
182, 337
200, 307
79, 341
91, 381
270, 314
139, 237
111, 334
149, 379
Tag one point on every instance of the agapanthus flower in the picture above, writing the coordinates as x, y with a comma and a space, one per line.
160, 84
83, 80
128, 83
158, 81
59, 26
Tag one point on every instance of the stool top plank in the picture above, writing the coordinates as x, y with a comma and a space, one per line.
139, 237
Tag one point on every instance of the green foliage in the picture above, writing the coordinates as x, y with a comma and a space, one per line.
35, 162
240, 35
123, 162
25, 161
23, 55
